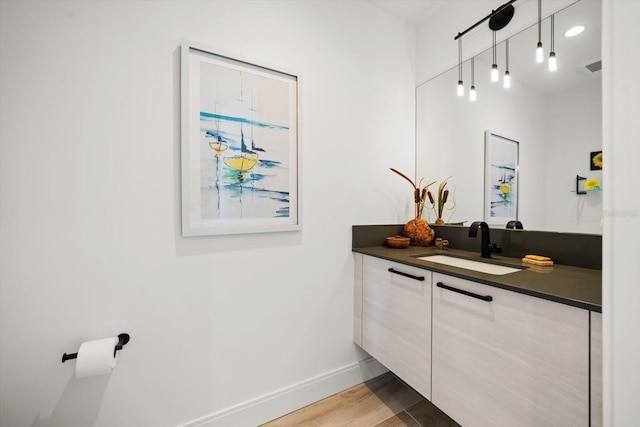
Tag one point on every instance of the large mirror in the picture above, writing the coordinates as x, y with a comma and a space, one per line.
556, 118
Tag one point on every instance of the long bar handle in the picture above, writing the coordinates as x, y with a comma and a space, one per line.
411, 276
463, 292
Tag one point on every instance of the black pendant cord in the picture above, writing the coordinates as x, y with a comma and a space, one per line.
473, 73
460, 60
495, 55
539, 21
552, 33
506, 49
505, 9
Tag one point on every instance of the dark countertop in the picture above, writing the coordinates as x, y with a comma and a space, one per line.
576, 286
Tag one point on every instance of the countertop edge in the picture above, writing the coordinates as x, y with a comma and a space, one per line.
408, 257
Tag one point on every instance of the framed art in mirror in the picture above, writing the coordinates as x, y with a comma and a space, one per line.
500, 179
239, 145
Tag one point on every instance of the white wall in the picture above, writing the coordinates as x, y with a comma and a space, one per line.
91, 242
621, 236
574, 120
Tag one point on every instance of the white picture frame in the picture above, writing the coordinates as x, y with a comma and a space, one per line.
501, 179
239, 145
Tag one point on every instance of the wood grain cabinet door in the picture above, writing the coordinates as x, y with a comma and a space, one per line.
501, 358
396, 327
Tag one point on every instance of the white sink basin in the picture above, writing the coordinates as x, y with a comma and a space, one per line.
470, 265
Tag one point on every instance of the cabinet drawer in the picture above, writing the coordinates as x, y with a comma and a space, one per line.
396, 327
508, 359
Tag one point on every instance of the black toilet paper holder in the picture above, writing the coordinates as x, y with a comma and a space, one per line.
122, 340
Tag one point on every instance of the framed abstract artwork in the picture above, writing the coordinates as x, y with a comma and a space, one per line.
239, 145
500, 179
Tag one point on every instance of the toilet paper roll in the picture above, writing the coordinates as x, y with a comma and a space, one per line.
96, 357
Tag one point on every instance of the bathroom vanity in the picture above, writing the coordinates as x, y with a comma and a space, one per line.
522, 348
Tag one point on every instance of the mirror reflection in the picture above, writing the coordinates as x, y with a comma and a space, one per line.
556, 116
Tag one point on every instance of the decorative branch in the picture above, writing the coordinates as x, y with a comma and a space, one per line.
404, 176
443, 197
419, 194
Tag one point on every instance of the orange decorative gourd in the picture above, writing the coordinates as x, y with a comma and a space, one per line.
419, 232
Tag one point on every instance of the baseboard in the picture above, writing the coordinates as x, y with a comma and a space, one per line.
273, 405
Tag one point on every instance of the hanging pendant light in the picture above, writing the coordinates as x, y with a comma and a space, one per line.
472, 92
539, 52
553, 65
460, 84
494, 67
498, 19
507, 76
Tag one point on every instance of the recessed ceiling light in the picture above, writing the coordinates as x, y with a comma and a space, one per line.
574, 31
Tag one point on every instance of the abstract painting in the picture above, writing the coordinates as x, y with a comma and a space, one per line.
239, 145
500, 179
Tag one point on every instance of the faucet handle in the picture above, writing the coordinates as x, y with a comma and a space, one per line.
515, 225
473, 228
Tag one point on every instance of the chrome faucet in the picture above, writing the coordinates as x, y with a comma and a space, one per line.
486, 247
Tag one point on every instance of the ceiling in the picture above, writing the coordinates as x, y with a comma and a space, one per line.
413, 11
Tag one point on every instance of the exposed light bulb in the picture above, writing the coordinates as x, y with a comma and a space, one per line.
507, 80
494, 73
539, 53
507, 76
472, 93
460, 84
553, 64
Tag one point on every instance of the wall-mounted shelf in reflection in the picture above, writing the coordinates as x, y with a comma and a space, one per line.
581, 192
584, 185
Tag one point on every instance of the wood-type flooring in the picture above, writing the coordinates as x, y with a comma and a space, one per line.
384, 401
